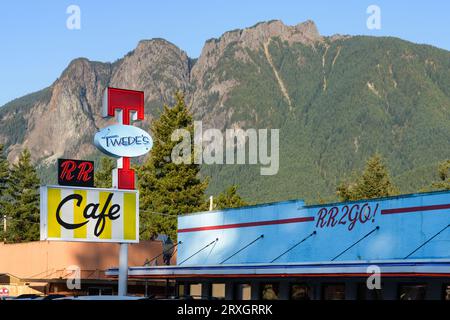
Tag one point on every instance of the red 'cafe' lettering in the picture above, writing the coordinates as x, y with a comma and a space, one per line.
346, 215
90, 212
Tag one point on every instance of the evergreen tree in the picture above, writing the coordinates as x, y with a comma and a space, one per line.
4, 170
229, 199
103, 176
22, 207
374, 182
444, 177
168, 189
4, 177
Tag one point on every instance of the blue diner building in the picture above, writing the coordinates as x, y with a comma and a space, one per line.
387, 248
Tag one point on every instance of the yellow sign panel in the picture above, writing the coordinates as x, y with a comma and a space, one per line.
89, 214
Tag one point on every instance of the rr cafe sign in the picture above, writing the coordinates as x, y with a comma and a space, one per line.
102, 215
89, 214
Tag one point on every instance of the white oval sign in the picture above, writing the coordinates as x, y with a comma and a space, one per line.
123, 141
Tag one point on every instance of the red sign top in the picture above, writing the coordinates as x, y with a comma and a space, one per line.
130, 104
127, 101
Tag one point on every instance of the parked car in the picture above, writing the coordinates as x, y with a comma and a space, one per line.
52, 297
28, 296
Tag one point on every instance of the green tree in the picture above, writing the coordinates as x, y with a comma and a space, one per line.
444, 177
374, 182
22, 207
103, 176
229, 199
4, 178
169, 189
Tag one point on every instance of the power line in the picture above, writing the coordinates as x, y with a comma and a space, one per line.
160, 213
38, 222
21, 220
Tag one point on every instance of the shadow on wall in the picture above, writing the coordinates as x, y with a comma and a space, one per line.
102, 256
49, 259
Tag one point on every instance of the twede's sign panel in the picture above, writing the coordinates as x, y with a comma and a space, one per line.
89, 214
123, 141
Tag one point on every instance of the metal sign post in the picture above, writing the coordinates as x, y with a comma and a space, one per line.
123, 270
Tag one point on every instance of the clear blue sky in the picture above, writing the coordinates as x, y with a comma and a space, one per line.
36, 46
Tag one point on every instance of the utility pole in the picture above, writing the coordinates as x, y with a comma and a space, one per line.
4, 228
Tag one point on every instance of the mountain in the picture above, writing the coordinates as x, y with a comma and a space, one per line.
336, 101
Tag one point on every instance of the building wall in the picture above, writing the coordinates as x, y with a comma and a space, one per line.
18, 289
405, 222
42, 259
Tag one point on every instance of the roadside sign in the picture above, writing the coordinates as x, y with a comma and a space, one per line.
89, 214
4, 292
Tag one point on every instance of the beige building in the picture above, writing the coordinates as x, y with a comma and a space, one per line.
45, 267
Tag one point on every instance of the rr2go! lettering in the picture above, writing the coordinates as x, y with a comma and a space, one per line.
346, 215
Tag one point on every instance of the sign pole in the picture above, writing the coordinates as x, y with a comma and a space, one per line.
123, 250
123, 269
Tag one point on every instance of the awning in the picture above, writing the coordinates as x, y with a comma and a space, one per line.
387, 268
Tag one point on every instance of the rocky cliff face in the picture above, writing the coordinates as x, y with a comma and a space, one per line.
336, 100
212, 81
60, 126
157, 67
64, 124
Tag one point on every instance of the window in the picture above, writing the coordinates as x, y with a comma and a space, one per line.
100, 291
334, 291
299, 291
364, 293
447, 292
181, 290
243, 291
195, 290
269, 291
218, 290
412, 291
